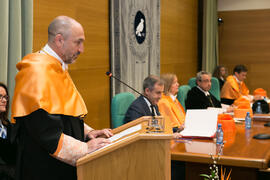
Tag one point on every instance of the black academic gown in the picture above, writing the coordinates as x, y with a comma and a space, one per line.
138, 109
8, 154
196, 99
39, 133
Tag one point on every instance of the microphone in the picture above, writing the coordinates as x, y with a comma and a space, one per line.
154, 121
110, 75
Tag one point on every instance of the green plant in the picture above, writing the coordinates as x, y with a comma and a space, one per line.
214, 173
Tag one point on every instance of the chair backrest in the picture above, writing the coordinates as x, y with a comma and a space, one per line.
192, 82
182, 94
215, 90
119, 107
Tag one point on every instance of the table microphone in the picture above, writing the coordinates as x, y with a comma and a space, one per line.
110, 75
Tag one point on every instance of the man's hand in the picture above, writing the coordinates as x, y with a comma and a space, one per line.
177, 135
96, 133
230, 108
97, 143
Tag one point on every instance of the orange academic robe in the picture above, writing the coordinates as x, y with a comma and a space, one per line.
41, 83
232, 89
172, 110
49, 110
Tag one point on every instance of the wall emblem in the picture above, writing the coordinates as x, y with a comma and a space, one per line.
140, 27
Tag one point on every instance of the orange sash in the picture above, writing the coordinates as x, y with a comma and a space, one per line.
172, 110
42, 83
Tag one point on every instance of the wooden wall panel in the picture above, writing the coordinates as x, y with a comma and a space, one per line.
178, 42
88, 73
178, 46
244, 39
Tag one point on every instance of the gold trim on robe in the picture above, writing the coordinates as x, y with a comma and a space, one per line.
232, 89
172, 110
41, 83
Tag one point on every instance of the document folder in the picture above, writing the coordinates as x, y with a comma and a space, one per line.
201, 123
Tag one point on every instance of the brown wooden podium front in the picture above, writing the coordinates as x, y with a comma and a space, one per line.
137, 156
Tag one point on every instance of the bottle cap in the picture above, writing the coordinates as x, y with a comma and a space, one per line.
247, 113
219, 125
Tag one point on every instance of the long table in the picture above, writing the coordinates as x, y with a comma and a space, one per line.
242, 153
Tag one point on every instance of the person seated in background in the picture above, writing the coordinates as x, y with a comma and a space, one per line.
146, 105
169, 106
8, 146
234, 87
220, 73
199, 96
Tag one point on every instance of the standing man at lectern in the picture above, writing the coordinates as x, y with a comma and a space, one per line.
146, 104
49, 110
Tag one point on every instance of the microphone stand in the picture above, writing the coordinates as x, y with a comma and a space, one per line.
111, 75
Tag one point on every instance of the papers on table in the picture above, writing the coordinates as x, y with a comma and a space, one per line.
200, 123
220, 110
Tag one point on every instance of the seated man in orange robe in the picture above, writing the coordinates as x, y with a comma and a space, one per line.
234, 86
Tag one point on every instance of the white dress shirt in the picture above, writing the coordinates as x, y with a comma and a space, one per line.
48, 50
149, 105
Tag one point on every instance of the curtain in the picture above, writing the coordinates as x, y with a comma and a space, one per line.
210, 36
16, 29
135, 42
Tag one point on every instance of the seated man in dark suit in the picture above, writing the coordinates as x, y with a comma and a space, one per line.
199, 96
146, 105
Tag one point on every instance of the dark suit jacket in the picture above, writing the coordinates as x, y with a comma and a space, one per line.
138, 109
196, 99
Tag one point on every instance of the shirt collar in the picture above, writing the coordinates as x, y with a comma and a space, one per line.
147, 101
205, 92
1, 125
237, 79
173, 97
49, 51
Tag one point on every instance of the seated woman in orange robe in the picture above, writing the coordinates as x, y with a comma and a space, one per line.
169, 106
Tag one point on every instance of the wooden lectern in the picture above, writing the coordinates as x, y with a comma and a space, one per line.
139, 155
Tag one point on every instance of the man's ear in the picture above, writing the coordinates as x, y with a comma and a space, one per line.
59, 40
147, 91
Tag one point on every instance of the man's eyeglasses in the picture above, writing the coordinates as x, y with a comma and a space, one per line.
4, 97
206, 81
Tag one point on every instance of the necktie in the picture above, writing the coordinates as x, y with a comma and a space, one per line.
210, 100
153, 110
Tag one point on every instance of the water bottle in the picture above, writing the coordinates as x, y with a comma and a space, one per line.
248, 121
259, 108
219, 135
